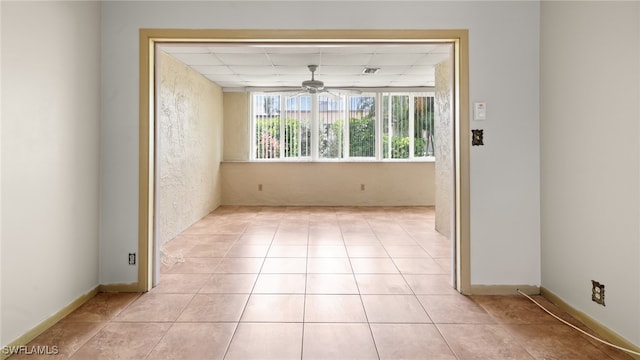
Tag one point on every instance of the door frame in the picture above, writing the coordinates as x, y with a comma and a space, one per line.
147, 120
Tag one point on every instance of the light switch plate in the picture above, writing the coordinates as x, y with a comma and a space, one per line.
480, 111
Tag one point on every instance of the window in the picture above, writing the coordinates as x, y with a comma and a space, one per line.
372, 126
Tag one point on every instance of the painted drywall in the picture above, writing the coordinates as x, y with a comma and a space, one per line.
50, 163
443, 124
189, 148
590, 143
504, 72
328, 183
236, 126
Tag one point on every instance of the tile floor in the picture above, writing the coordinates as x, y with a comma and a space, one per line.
313, 283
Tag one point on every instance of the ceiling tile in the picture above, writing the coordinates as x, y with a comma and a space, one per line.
244, 59
345, 59
301, 60
197, 59
382, 60
212, 69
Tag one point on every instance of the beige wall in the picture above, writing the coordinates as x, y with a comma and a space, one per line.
327, 183
323, 183
50, 159
590, 142
189, 148
236, 126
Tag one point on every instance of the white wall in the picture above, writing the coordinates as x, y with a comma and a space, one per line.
189, 148
50, 170
590, 143
504, 71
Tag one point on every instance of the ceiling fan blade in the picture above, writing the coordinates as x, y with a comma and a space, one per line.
344, 91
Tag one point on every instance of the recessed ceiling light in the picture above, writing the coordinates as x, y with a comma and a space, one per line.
370, 70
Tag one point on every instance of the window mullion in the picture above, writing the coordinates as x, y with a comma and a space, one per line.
378, 126
346, 136
282, 126
412, 108
315, 144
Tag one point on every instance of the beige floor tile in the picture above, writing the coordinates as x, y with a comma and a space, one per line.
290, 238
331, 284
123, 341
555, 341
394, 309
366, 237
284, 266
373, 266
287, 251
256, 238
406, 251
328, 266
514, 309
482, 342
454, 309
194, 341
280, 284
278, 341
239, 265
339, 311
194, 265
180, 283
410, 341
382, 284
327, 251
155, 307
102, 307
430, 284
334, 308
60, 341
367, 251
393, 239
338, 341
418, 266
229, 284
214, 308
241, 251
274, 308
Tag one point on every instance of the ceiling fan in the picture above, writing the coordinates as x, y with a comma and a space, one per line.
313, 86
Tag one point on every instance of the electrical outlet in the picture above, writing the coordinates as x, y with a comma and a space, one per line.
361, 187
132, 258
597, 292
259, 187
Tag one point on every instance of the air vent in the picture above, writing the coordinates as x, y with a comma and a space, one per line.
370, 71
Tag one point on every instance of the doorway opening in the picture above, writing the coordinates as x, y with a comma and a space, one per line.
149, 39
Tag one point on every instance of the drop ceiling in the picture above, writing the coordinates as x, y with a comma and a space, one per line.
237, 67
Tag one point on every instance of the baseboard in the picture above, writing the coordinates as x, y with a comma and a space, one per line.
503, 289
131, 287
604, 332
46, 324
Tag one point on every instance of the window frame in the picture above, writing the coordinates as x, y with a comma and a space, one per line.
315, 135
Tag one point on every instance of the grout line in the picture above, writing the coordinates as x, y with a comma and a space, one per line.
366, 316
264, 259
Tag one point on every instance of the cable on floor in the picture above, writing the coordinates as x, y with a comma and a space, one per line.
577, 328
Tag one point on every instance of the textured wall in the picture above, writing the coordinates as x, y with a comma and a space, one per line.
328, 183
189, 143
444, 147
